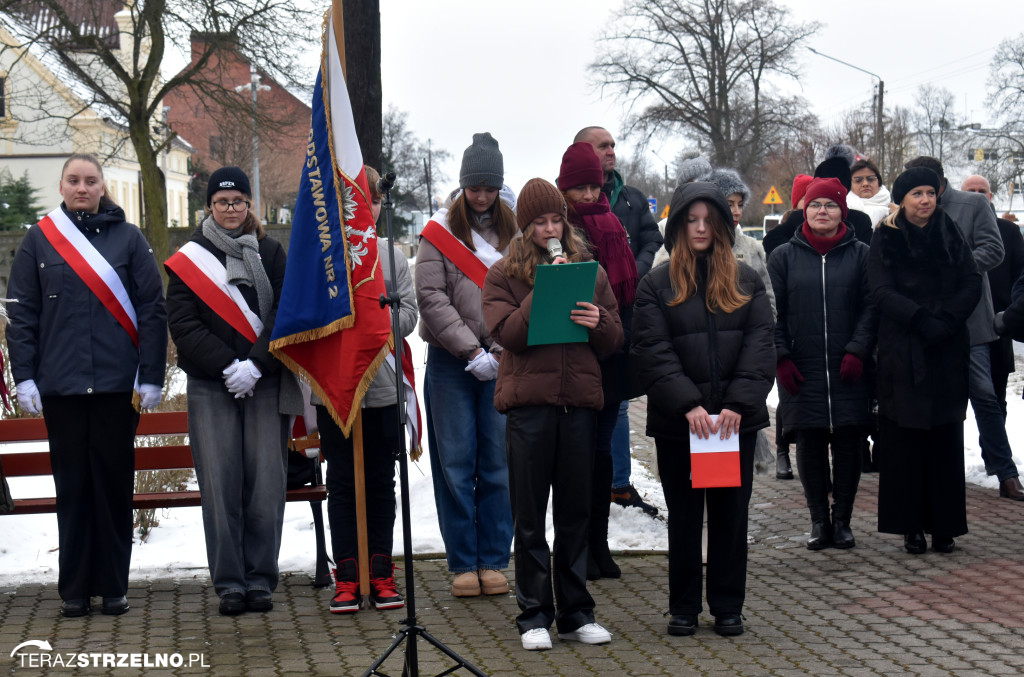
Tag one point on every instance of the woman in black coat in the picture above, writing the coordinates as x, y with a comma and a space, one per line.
925, 284
824, 338
702, 347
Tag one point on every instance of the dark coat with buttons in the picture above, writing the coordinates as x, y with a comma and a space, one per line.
824, 313
62, 336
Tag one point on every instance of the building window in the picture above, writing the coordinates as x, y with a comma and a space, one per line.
3, 97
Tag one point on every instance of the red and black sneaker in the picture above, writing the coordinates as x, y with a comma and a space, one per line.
346, 588
383, 593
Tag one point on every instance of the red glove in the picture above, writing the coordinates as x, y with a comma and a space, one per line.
789, 376
851, 369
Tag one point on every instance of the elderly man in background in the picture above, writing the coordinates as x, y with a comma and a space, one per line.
1001, 279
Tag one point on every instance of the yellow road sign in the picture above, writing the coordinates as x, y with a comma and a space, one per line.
664, 213
773, 197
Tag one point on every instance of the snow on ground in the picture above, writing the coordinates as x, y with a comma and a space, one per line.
28, 543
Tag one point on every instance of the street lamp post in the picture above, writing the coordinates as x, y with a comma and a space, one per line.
255, 86
880, 110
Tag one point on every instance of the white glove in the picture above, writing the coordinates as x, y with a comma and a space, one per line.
229, 370
149, 395
28, 397
242, 381
483, 366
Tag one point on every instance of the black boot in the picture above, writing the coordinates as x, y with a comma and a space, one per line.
842, 536
783, 466
821, 535
599, 562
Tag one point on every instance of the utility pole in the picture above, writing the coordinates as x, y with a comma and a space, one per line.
428, 167
880, 113
255, 86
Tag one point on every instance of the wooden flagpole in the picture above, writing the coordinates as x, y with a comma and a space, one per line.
363, 547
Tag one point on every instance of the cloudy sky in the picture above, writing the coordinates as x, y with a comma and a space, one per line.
519, 69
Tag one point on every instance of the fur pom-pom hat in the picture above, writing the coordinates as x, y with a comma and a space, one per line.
694, 169
844, 151
729, 182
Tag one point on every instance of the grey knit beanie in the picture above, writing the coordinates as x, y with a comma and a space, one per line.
694, 169
482, 164
729, 182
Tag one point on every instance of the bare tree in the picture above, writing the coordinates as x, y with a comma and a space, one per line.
702, 67
120, 74
940, 130
405, 154
362, 50
1006, 100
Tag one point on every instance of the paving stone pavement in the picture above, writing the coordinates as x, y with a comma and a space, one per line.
872, 610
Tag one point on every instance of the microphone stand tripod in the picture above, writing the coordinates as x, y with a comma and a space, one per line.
412, 629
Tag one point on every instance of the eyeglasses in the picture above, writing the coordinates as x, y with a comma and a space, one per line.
870, 178
817, 207
237, 205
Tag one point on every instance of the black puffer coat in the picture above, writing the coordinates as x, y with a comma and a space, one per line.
824, 312
925, 285
686, 356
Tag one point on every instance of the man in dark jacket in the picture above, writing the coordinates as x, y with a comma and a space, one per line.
1001, 279
628, 203
977, 222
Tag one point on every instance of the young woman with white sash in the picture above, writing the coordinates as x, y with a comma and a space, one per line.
225, 284
466, 434
88, 334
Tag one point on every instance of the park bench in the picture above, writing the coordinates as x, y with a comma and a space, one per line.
158, 457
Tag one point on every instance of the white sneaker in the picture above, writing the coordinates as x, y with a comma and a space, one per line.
591, 633
537, 639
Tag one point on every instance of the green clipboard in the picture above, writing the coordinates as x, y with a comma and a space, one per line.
556, 290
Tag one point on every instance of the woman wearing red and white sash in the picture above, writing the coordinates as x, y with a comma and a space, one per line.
222, 297
466, 434
88, 327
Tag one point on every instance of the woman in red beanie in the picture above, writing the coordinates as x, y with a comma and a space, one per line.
824, 338
579, 179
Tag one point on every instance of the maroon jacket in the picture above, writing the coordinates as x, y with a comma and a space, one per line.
566, 374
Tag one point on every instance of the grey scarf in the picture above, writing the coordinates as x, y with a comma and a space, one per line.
243, 261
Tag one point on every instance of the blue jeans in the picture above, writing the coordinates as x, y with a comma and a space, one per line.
466, 436
995, 447
239, 449
621, 459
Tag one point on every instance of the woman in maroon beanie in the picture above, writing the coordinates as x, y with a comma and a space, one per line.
824, 339
580, 178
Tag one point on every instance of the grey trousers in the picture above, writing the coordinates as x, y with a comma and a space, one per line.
239, 449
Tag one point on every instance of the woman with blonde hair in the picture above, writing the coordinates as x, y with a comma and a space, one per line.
78, 351
702, 349
551, 395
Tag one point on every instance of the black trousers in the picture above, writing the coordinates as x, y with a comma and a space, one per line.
921, 480
727, 531
812, 447
551, 450
92, 453
380, 443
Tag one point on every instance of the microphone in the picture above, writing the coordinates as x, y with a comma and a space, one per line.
386, 182
554, 248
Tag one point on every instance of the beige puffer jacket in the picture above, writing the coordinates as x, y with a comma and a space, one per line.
450, 304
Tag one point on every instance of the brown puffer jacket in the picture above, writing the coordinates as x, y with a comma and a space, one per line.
451, 315
566, 374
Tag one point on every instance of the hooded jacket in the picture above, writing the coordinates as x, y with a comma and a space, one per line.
824, 312
62, 336
687, 356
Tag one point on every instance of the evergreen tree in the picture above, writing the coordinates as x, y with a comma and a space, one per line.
18, 205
